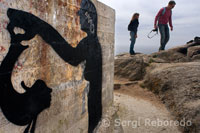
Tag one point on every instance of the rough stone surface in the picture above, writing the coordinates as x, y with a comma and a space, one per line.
184, 53
106, 34
130, 67
194, 52
107, 125
178, 85
68, 111
173, 75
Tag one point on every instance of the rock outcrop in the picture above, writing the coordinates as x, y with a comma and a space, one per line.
178, 85
174, 75
130, 67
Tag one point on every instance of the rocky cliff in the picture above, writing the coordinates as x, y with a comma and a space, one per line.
173, 75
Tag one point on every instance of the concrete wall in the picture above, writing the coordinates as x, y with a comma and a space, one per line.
68, 110
106, 34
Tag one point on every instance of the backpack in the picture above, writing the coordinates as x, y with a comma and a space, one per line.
129, 27
164, 10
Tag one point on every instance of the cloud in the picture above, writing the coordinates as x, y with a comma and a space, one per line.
186, 22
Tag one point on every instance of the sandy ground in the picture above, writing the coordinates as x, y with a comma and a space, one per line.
140, 111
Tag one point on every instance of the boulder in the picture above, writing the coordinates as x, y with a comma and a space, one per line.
197, 39
178, 85
171, 55
194, 52
185, 53
131, 67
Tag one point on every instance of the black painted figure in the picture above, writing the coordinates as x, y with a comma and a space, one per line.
21, 109
93, 56
88, 49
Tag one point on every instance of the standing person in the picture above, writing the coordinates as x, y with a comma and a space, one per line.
163, 17
132, 27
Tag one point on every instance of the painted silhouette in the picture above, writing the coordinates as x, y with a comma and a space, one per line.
88, 49
21, 109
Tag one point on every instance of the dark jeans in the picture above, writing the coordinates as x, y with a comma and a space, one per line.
133, 39
164, 32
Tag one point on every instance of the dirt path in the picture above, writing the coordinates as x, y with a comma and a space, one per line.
140, 111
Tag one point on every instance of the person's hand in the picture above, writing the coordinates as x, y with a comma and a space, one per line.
171, 28
136, 36
155, 26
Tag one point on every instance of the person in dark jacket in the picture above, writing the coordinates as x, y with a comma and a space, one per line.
132, 27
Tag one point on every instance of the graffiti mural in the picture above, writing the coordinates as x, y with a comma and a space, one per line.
23, 109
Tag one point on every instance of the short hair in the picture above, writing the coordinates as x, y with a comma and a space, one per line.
172, 2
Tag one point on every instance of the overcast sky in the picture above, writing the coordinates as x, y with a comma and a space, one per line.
185, 19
